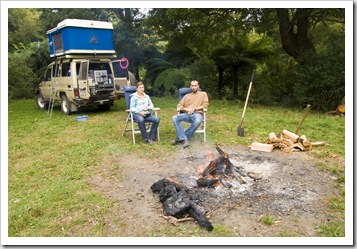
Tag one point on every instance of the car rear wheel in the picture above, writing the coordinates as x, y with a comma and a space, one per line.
65, 105
104, 107
41, 104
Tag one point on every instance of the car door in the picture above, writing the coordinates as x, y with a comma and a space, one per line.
83, 86
46, 85
121, 75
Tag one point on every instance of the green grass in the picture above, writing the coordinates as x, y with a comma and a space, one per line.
50, 160
266, 219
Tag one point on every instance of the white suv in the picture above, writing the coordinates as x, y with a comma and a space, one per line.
82, 80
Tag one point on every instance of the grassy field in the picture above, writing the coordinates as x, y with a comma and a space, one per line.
49, 159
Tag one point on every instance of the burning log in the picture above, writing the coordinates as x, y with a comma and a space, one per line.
203, 182
216, 165
230, 165
176, 201
219, 168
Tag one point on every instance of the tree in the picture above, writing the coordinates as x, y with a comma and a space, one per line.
240, 52
132, 40
24, 27
293, 27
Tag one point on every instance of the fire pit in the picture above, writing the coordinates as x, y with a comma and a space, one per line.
179, 201
289, 187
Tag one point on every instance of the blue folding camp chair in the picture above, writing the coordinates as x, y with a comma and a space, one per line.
134, 128
202, 128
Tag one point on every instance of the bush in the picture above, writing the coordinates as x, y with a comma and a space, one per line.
204, 70
21, 76
25, 69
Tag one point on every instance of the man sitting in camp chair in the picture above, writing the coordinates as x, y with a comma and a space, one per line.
191, 110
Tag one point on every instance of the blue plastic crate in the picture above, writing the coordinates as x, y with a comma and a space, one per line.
76, 36
82, 118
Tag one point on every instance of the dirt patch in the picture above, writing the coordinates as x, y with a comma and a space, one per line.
292, 191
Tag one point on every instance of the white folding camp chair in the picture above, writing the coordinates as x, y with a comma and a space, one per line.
202, 128
134, 128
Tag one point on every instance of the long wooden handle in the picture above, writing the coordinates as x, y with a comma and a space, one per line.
308, 107
246, 101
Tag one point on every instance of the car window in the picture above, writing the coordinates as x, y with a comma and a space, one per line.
48, 74
66, 69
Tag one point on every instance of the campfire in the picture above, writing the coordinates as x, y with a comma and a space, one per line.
179, 201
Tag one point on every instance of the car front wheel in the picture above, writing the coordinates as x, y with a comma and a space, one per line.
41, 104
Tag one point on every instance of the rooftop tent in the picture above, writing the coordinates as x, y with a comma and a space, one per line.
76, 36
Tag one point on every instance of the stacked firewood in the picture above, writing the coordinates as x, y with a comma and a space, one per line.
286, 141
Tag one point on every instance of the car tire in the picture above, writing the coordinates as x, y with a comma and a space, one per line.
104, 108
41, 104
65, 105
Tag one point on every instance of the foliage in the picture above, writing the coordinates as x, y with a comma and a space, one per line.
332, 229
50, 17
204, 70
240, 53
24, 27
322, 83
21, 77
25, 69
274, 82
181, 40
154, 67
171, 80
266, 219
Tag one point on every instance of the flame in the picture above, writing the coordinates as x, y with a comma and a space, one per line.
200, 168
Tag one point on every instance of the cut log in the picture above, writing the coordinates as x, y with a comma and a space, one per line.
272, 137
262, 147
302, 138
287, 142
290, 135
299, 146
287, 149
304, 141
308, 147
318, 143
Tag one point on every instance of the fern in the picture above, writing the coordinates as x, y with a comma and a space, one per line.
171, 79
157, 65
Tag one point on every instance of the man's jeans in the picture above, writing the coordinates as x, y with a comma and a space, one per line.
195, 119
141, 122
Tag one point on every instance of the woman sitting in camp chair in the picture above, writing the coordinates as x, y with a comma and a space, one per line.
141, 105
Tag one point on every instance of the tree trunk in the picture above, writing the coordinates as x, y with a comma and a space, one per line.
235, 81
220, 82
294, 33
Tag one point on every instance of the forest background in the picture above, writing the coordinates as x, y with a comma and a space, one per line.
299, 54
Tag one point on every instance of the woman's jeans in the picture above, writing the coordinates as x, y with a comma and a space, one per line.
141, 122
195, 119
